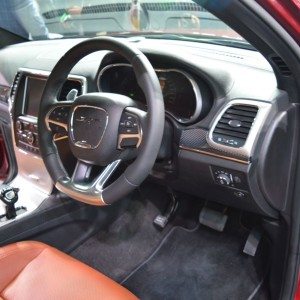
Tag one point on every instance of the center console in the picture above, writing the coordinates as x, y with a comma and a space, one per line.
26, 134
32, 179
26, 95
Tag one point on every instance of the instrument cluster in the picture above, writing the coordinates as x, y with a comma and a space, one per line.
181, 92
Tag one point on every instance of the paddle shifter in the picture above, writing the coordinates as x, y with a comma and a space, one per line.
9, 196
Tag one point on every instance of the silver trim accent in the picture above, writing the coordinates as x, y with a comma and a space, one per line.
81, 144
57, 138
105, 175
192, 81
246, 150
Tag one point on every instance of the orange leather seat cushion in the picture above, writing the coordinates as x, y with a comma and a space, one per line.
32, 270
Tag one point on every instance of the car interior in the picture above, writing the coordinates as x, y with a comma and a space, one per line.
147, 163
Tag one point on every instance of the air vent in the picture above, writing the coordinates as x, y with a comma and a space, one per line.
281, 65
69, 85
234, 126
14, 86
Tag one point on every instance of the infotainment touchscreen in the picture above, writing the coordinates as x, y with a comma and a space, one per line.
34, 90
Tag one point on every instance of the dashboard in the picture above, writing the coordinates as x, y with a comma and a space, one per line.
224, 116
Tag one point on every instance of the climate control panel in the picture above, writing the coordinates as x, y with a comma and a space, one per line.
26, 134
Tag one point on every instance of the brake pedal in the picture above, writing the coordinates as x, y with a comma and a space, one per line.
213, 219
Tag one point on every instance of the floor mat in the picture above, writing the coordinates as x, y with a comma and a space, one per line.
197, 264
118, 249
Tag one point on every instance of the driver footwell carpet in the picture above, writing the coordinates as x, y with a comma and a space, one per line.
198, 264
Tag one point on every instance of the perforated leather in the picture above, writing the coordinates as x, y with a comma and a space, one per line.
32, 270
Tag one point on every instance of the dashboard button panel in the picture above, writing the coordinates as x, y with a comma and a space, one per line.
229, 178
26, 135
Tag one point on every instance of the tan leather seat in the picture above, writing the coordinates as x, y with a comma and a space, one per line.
32, 270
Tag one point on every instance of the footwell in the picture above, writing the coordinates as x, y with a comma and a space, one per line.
197, 264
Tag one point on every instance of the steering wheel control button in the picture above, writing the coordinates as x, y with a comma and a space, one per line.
88, 124
60, 114
129, 124
129, 142
58, 122
129, 131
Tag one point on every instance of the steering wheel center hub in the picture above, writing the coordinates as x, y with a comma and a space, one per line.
87, 126
94, 124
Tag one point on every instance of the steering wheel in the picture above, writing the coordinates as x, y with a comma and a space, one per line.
103, 128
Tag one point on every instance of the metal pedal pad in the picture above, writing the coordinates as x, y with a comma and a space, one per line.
161, 221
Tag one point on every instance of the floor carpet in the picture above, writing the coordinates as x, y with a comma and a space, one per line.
178, 262
128, 241
197, 264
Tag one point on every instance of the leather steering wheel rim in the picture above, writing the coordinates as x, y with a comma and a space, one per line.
136, 172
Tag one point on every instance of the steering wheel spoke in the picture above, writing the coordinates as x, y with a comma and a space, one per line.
105, 175
57, 119
78, 186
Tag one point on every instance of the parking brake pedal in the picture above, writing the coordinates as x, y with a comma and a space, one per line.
162, 220
213, 219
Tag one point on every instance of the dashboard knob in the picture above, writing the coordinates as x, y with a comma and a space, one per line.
223, 179
30, 138
19, 126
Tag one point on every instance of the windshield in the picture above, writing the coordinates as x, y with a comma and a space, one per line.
44, 19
